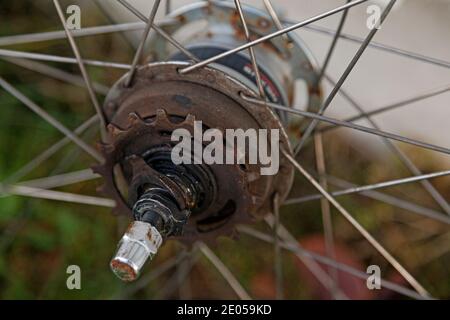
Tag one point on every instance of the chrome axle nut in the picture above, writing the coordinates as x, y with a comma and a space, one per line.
140, 242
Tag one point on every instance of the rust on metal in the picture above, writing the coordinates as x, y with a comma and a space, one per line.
162, 100
123, 271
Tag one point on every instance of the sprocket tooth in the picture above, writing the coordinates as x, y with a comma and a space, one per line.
161, 113
114, 130
190, 119
162, 117
134, 119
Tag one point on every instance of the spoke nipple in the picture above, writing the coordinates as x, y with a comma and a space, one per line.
140, 242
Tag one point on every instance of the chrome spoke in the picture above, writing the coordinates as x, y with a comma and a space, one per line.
47, 117
299, 251
278, 262
310, 264
348, 125
179, 276
58, 35
422, 96
251, 52
53, 58
340, 82
104, 8
61, 180
183, 272
168, 8
83, 70
440, 247
160, 31
377, 45
333, 44
407, 162
55, 195
271, 36
57, 74
69, 158
30, 166
383, 197
325, 207
276, 20
405, 274
140, 49
374, 186
224, 271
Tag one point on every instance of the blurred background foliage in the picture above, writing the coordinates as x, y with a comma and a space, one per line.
40, 238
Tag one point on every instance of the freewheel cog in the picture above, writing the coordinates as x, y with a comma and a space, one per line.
189, 201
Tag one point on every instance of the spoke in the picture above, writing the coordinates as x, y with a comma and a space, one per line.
53, 58
315, 269
70, 156
407, 162
406, 275
374, 186
47, 117
342, 79
325, 207
278, 262
348, 125
160, 31
440, 245
48, 153
422, 96
270, 36
61, 180
299, 251
224, 271
376, 45
83, 70
251, 52
57, 74
140, 49
133, 26
105, 10
183, 283
183, 270
55, 195
399, 203
57, 35
168, 7
333, 44
276, 20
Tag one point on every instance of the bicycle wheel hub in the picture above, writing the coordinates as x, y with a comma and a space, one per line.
195, 201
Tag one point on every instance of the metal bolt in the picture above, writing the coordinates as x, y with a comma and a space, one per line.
140, 242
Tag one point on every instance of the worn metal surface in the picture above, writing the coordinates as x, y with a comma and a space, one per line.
284, 62
162, 100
